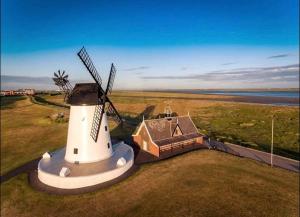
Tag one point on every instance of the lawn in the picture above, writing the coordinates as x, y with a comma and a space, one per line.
200, 183
27, 131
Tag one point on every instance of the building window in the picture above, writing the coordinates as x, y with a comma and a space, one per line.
105, 128
108, 145
75, 150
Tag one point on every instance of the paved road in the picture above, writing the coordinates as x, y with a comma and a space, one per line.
264, 157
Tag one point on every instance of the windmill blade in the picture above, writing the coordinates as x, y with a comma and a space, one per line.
86, 60
111, 111
111, 79
98, 114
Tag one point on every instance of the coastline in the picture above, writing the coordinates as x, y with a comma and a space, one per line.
267, 100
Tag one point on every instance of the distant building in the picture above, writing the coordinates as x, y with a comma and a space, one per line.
165, 135
20, 92
29, 91
7, 92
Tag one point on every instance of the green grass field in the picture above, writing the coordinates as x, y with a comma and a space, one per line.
27, 131
200, 183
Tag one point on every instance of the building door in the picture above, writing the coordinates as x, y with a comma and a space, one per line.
145, 145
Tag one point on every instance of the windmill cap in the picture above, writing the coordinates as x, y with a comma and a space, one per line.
84, 94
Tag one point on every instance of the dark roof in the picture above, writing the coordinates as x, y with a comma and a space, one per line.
161, 130
84, 94
177, 139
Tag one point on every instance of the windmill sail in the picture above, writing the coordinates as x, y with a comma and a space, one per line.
111, 79
85, 58
113, 113
99, 111
103, 98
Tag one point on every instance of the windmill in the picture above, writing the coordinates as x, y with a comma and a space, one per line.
90, 157
61, 80
103, 95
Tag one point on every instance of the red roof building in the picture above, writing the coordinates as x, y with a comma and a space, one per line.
159, 136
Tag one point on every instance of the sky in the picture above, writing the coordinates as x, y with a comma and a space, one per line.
153, 44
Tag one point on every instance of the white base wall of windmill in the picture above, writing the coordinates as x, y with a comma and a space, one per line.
80, 145
55, 171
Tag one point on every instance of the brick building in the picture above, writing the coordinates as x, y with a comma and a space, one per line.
165, 135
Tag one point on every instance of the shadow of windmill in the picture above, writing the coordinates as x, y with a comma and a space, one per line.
130, 125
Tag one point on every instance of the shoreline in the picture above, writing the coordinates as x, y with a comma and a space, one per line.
268, 100
264, 100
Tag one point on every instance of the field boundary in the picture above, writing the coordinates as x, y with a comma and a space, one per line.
252, 149
42, 101
259, 156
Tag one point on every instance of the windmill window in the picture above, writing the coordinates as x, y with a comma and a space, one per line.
108, 145
75, 150
105, 128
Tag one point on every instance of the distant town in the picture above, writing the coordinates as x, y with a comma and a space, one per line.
20, 92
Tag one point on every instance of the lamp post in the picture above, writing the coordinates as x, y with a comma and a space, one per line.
272, 141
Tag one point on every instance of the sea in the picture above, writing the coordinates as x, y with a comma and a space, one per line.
288, 94
284, 98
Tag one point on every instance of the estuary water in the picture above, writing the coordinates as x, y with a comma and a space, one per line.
288, 94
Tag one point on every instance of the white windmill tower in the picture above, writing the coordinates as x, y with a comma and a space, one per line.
90, 157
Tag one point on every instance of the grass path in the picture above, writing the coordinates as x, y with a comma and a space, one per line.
42, 101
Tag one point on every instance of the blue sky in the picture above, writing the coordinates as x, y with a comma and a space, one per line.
154, 44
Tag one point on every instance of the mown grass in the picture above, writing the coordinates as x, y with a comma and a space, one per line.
27, 131
200, 183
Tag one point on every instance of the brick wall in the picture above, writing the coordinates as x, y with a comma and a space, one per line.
143, 136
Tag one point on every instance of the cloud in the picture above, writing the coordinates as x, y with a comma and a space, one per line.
25, 79
39, 83
278, 56
138, 73
137, 68
227, 64
282, 73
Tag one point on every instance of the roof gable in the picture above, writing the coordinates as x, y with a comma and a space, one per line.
177, 131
